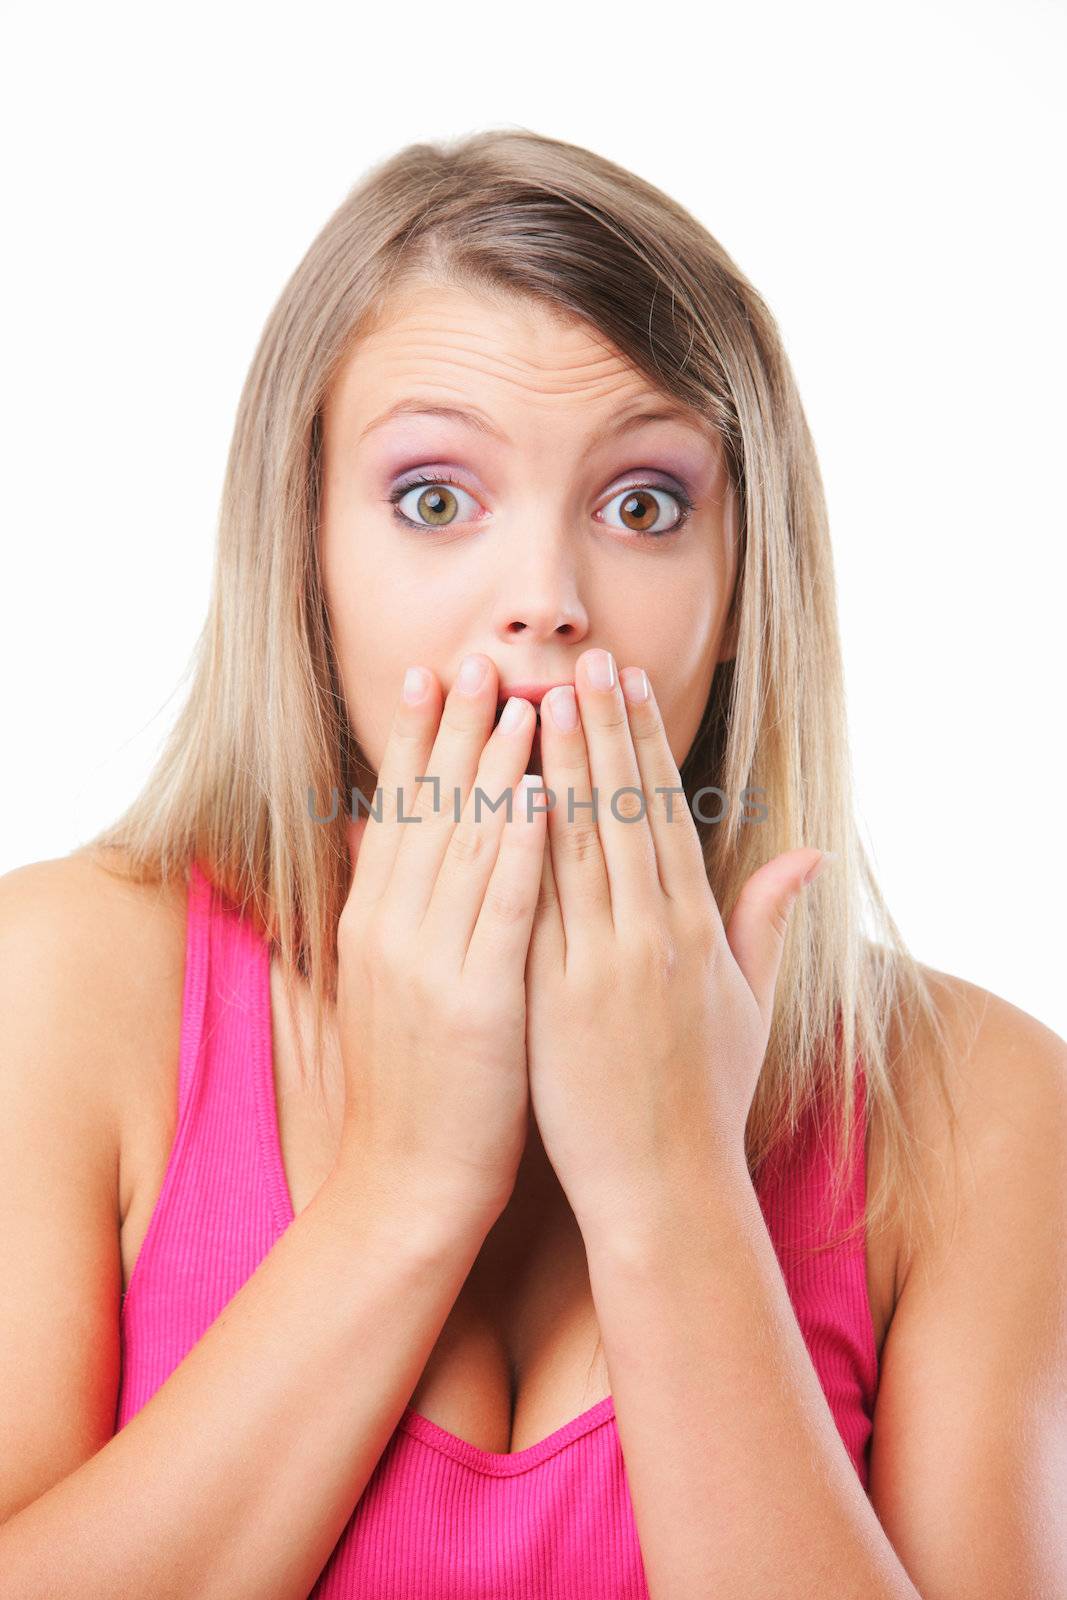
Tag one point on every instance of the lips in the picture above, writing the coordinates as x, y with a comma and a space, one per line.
536, 691
533, 692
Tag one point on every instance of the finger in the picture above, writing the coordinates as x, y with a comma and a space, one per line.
580, 872
465, 726
501, 937
760, 920
679, 858
470, 854
625, 836
355, 827
548, 943
407, 752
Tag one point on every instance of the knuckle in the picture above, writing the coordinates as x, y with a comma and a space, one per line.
667, 805
547, 899
613, 717
468, 844
648, 731
630, 805
429, 804
654, 953
469, 1013
581, 843
507, 903
388, 940
409, 732
461, 717
406, 739
575, 761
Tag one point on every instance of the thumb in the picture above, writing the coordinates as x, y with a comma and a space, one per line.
757, 927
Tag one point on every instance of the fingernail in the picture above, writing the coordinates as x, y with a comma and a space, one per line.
512, 714
601, 669
471, 674
635, 685
564, 708
415, 681
813, 872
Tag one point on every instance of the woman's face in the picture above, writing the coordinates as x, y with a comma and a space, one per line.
536, 548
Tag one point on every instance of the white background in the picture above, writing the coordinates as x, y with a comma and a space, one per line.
889, 178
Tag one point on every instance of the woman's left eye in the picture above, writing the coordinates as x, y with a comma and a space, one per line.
638, 502
437, 501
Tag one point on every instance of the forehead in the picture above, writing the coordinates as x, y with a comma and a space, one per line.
477, 359
491, 324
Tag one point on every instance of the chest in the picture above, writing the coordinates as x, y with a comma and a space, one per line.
519, 1354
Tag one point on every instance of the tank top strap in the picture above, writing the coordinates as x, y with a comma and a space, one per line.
199, 911
217, 1212
795, 1183
226, 1081
822, 1252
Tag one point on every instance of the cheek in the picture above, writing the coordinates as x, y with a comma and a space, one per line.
364, 646
674, 632
375, 642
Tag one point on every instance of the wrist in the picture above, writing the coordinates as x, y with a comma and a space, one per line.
405, 1218
719, 1194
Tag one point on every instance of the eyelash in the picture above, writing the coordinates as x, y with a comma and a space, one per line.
397, 494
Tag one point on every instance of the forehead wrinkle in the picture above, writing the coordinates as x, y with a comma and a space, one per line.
549, 349
649, 411
566, 363
602, 372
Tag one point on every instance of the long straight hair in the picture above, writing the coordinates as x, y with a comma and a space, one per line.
511, 213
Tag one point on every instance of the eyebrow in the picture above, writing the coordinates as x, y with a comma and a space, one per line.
471, 417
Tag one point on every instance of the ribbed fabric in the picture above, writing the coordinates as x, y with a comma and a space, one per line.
439, 1519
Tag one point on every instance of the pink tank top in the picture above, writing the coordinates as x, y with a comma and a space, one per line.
439, 1519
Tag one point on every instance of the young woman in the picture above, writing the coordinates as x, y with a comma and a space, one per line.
405, 1197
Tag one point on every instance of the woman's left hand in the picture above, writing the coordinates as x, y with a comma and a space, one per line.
647, 1022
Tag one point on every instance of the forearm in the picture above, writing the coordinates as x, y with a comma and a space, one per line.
237, 1478
740, 1481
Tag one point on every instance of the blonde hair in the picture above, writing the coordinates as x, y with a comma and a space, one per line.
508, 212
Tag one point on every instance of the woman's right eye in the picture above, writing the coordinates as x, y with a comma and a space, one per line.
435, 503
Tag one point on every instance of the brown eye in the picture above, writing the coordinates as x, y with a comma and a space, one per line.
642, 511
435, 503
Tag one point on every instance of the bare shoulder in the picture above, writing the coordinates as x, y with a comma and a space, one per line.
87, 962
969, 1422
1004, 1099
107, 954
88, 898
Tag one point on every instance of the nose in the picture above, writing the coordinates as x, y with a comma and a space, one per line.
538, 623
538, 599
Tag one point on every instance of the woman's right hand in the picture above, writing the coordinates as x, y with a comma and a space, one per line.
432, 945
